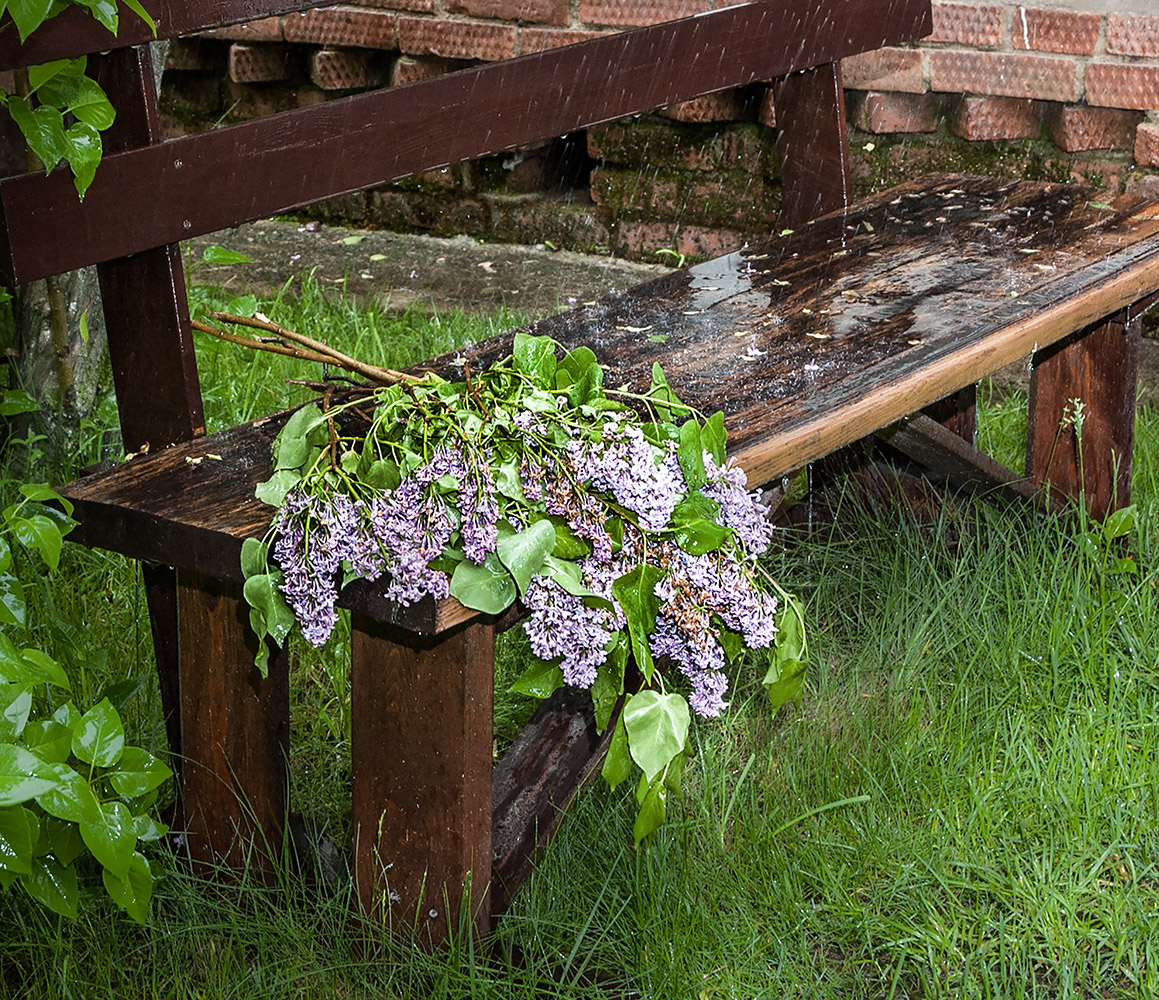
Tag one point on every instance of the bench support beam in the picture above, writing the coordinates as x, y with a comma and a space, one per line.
421, 745
235, 728
1098, 368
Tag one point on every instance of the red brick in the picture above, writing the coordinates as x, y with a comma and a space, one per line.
884, 113
408, 70
194, 54
767, 112
1147, 145
622, 14
1051, 30
967, 23
884, 69
1142, 185
536, 11
259, 63
692, 241
346, 26
418, 6
1113, 85
1077, 128
996, 118
456, 39
723, 106
542, 39
344, 69
268, 29
1133, 34
1002, 74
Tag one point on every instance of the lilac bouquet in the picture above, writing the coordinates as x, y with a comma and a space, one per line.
615, 519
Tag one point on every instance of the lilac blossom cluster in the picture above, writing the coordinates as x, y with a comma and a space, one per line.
398, 533
740, 510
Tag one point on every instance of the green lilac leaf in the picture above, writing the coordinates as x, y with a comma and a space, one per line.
23, 775
136, 8
1119, 523
698, 536
535, 358
123, 692
568, 545
609, 682
254, 557
588, 387
112, 838
41, 534
70, 797
539, 680
149, 829
488, 588
691, 455
569, 576
137, 773
104, 12
5, 555
55, 82
714, 437
292, 445
223, 255
16, 839
53, 885
578, 361
653, 811
524, 553
636, 594
133, 892
657, 726
40, 668
91, 105
618, 763
784, 681
43, 130
99, 737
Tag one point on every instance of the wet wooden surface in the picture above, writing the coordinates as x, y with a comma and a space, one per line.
217, 179
808, 342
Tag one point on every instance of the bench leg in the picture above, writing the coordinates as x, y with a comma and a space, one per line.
421, 743
235, 728
1099, 368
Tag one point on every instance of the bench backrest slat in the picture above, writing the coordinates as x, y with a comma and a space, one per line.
74, 32
199, 184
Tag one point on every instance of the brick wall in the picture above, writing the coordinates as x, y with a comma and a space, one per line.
1047, 90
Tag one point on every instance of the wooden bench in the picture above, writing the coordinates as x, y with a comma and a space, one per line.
822, 335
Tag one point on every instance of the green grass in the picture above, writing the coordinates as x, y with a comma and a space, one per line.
965, 803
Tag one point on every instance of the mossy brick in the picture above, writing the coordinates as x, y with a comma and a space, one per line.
650, 141
567, 226
725, 198
435, 214
642, 240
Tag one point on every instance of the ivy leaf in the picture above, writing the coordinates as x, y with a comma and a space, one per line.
112, 838
539, 680
53, 885
653, 808
133, 892
70, 797
82, 149
99, 737
657, 726
43, 130
16, 839
15, 707
55, 83
636, 594
23, 775
29, 15
524, 553
12, 606
138, 773
488, 588
618, 763
91, 105
223, 255
41, 534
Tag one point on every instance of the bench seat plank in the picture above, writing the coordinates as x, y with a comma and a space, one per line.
808, 342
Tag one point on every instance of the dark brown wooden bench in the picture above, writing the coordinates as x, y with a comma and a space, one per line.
824, 334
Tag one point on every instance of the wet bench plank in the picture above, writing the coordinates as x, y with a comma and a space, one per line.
808, 342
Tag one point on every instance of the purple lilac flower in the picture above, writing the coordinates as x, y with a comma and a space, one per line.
561, 625
700, 659
558, 485
740, 510
626, 466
